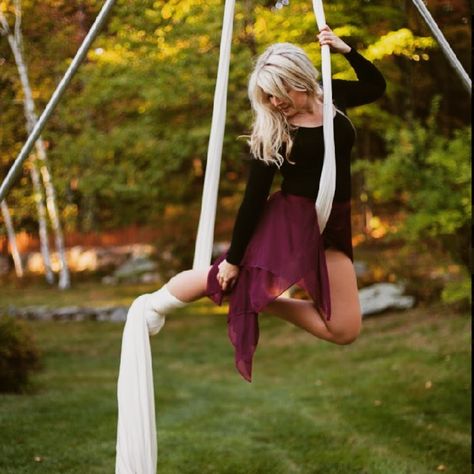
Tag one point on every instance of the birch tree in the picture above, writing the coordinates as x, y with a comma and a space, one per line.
37, 194
15, 41
12, 239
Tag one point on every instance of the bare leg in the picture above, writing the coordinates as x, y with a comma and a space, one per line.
345, 323
189, 285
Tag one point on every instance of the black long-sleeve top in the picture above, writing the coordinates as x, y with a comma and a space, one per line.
302, 177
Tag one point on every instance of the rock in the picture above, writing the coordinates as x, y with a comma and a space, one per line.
89, 259
34, 263
81, 259
109, 280
382, 296
141, 250
132, 269
70, 313
361, 268
119, 314
150, 277
31, 312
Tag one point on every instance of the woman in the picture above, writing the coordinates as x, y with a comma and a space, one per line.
276, 242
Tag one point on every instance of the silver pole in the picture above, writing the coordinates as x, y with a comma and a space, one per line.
55, 98
445, 46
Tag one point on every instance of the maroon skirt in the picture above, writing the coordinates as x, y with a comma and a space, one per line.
286, 248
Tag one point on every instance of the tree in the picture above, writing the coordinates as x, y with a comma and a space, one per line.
16, 44
426, 177
35, 179
12, 239
129, 140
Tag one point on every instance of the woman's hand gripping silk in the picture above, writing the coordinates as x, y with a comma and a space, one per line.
227, 275
337, 45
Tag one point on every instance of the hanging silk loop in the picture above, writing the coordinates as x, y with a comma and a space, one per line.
327, 182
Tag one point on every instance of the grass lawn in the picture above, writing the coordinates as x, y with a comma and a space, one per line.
396, 401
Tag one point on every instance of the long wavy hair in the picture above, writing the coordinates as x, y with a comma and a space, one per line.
281, 66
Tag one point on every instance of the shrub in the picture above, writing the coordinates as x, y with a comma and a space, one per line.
427, 177
19, 355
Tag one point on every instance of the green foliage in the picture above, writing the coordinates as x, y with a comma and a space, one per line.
130, 136
427, 177
129, 140
459, 292
19, 355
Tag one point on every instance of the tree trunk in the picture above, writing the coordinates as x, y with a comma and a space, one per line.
12, 240
42, 224
38, 197
15, 42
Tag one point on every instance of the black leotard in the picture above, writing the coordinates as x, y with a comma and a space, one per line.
302, 178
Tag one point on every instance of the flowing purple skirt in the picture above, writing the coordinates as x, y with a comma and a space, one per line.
285, 249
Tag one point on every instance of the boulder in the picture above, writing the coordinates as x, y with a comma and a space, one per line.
134, 268
70, 313
383, 296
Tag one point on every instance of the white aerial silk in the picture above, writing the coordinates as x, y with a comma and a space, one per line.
327, 182
205, 234
137, 450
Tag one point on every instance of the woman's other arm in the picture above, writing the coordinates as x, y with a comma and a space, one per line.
370, 85
258, 187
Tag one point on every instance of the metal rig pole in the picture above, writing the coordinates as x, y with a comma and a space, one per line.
55, 98
445, 46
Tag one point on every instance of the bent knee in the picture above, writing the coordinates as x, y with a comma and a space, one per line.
347, 335
345, 338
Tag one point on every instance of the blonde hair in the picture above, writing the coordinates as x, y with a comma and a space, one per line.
281, 66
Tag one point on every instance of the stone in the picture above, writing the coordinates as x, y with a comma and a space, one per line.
109, 280
150, 277
383, 296
90, 259
135, 267
70, 313
119, 314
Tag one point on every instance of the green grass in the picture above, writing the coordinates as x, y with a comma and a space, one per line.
394, 402
83, 293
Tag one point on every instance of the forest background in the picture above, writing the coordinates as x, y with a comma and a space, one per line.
127, 145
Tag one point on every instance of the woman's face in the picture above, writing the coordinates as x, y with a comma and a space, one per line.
300, 103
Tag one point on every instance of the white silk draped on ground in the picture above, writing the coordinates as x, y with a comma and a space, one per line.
137, 450
327, 182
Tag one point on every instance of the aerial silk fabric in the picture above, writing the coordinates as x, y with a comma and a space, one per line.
286, 249
205, 234
137, 450
327, 182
